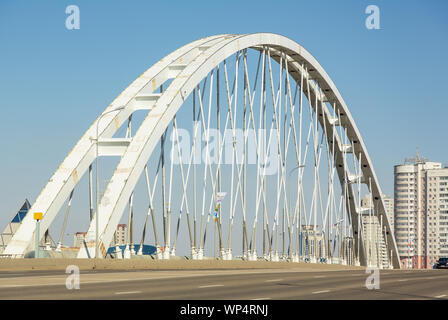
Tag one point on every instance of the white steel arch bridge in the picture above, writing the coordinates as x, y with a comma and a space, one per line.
265, 178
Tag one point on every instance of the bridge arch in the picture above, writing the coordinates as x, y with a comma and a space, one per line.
185, 68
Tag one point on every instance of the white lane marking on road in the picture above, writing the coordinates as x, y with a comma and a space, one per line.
13, 285
441, 296
402, 280
323, 291
128, 292
212, 285
261, 299
273, 280
319, 276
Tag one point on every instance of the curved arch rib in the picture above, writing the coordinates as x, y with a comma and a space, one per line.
132, 163
67, 176
188, 66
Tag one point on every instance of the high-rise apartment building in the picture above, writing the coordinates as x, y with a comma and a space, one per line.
119, 237
373, 232
78, 239
313, 243
421, 210
435, 226
389, 206
120, 234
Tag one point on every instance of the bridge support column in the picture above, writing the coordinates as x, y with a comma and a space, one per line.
118, 252
200, 254
166, 253
194, 254
127, 252
252, 256
227, 255
158, 253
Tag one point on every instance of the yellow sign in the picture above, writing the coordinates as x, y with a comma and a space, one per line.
37, 215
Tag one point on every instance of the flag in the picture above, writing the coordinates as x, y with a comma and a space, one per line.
337, 223
411, 242
219, 197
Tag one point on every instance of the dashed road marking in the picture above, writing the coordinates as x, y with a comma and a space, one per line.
262, 299
319, 276
441, 296
13, 285
323, 291
212, 285
273, 280
128, 292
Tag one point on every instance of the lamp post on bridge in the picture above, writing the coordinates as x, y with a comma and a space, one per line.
37, 216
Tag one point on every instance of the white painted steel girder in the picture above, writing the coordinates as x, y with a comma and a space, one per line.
83, 154
188, 66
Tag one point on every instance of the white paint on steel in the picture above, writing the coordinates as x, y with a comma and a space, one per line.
188, 66
83, 154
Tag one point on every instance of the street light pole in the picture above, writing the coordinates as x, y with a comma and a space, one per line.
96, 178
38, 217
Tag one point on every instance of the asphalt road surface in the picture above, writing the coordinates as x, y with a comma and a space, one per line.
225, 285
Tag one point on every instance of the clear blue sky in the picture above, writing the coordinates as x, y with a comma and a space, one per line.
55, 82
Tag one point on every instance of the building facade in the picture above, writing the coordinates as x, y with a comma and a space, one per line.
79, 238
313, 244
373, 231
420, 212
119, 237
121, 234
389, 206
435, 223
